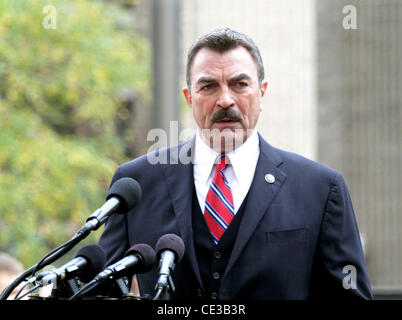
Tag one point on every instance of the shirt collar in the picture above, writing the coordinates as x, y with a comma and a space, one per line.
204, 158
243, 159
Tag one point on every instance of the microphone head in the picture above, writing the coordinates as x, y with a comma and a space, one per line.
128, 190
170, 242
96, 258
147, 255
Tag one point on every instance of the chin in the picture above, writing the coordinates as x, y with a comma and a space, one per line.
225, 140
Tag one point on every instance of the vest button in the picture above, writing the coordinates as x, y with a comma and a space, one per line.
214, 295
216, 275
217, 255
199, 293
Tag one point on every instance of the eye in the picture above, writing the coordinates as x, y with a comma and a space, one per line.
208, 87
241, 84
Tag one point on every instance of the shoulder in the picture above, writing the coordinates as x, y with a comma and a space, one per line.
299, 166
154, 162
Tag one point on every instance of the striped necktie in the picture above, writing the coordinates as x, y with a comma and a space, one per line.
219, 210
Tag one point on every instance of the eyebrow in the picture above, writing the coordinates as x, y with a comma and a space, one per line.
238, 77
241, 76
203, 80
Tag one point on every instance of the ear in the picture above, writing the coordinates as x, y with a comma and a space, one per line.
187, 95
263, 89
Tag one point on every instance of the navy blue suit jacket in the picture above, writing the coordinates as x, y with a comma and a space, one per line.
297, 239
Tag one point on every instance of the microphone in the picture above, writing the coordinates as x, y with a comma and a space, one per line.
124, 194
140, 258
87, 263
170, 250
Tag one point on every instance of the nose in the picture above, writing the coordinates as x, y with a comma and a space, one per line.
225, 99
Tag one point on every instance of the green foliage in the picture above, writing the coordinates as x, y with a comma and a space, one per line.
60, 117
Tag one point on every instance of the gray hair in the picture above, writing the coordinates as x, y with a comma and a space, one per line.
222, 40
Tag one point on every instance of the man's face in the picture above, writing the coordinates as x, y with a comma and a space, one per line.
225, 95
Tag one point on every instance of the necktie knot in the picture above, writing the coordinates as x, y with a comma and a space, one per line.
222, 163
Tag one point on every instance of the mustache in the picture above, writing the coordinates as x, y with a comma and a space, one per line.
227, 113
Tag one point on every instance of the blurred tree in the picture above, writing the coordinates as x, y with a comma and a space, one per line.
63, 124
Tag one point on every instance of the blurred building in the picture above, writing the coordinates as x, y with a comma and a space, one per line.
359, 94
334, 95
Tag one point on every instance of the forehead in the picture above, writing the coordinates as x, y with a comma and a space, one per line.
211, 63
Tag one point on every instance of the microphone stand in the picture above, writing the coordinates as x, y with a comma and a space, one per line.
51, 256
163, 292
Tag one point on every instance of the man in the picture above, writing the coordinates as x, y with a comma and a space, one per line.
257, 222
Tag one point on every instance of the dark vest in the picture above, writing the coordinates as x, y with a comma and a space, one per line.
212, 259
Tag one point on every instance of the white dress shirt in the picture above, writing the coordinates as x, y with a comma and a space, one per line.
239, 173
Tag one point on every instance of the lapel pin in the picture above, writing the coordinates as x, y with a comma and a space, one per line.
269, 178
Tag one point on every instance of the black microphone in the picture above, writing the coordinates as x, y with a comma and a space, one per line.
140, 258
124, 194
170, 250
86, 264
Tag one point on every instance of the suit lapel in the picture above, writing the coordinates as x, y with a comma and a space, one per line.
179, 178
260, 197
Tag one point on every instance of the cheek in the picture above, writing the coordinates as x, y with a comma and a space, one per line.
202, 108
256, 111
200, 115
247, 106
251, 110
